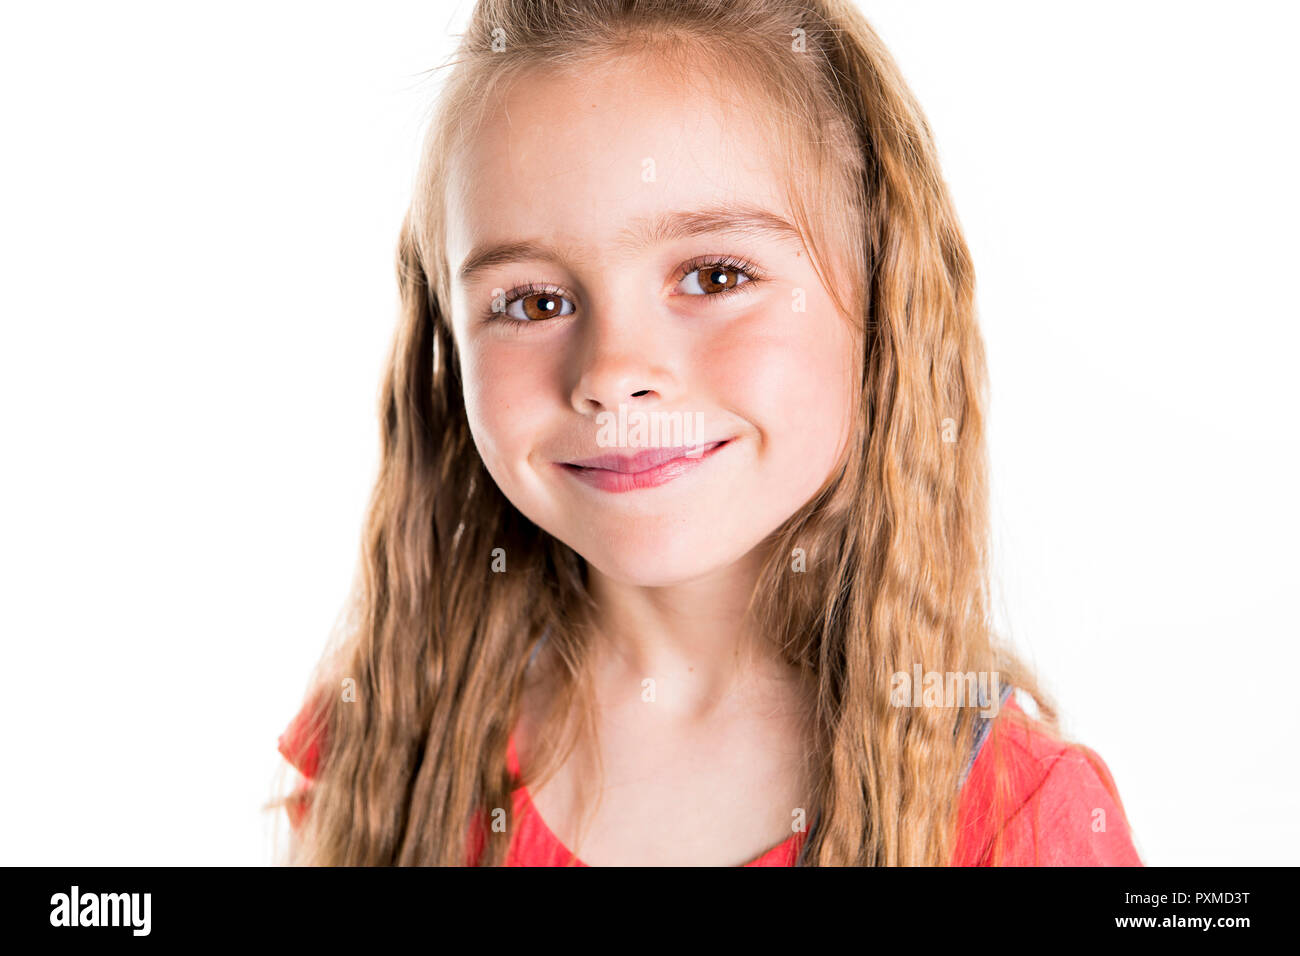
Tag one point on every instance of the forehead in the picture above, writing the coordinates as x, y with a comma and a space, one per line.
591, 160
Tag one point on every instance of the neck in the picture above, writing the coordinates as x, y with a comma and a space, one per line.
693, 639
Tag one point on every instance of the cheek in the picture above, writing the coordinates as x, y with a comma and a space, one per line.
790, 376
504, 404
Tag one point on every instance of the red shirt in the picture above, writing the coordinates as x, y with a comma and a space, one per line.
1061, 806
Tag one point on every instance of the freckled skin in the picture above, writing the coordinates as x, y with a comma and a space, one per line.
561, 160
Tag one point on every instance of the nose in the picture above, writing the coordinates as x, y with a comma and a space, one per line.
623, 360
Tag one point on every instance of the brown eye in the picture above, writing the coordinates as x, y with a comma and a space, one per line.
543, 305
713, 279
538, 307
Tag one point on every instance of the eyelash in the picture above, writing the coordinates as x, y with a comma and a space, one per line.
730, 263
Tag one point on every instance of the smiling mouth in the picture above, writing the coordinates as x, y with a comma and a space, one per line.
646, 469
645, 460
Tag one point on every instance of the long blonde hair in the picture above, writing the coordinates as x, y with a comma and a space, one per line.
896, 573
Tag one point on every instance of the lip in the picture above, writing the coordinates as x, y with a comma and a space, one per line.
645, 469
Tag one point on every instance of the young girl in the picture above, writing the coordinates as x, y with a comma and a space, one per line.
677, 553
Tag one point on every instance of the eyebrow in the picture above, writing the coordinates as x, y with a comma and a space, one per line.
741, 219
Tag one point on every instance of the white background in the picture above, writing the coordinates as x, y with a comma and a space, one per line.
198, 212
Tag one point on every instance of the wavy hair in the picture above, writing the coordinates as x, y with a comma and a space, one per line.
436, 648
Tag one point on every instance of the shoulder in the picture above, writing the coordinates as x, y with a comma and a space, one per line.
302, 740
301, 743
1034, 800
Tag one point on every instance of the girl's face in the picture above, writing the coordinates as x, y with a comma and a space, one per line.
622, 283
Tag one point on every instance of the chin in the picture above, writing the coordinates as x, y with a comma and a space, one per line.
650, 561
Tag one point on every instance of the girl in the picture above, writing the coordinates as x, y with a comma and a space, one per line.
586, 634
